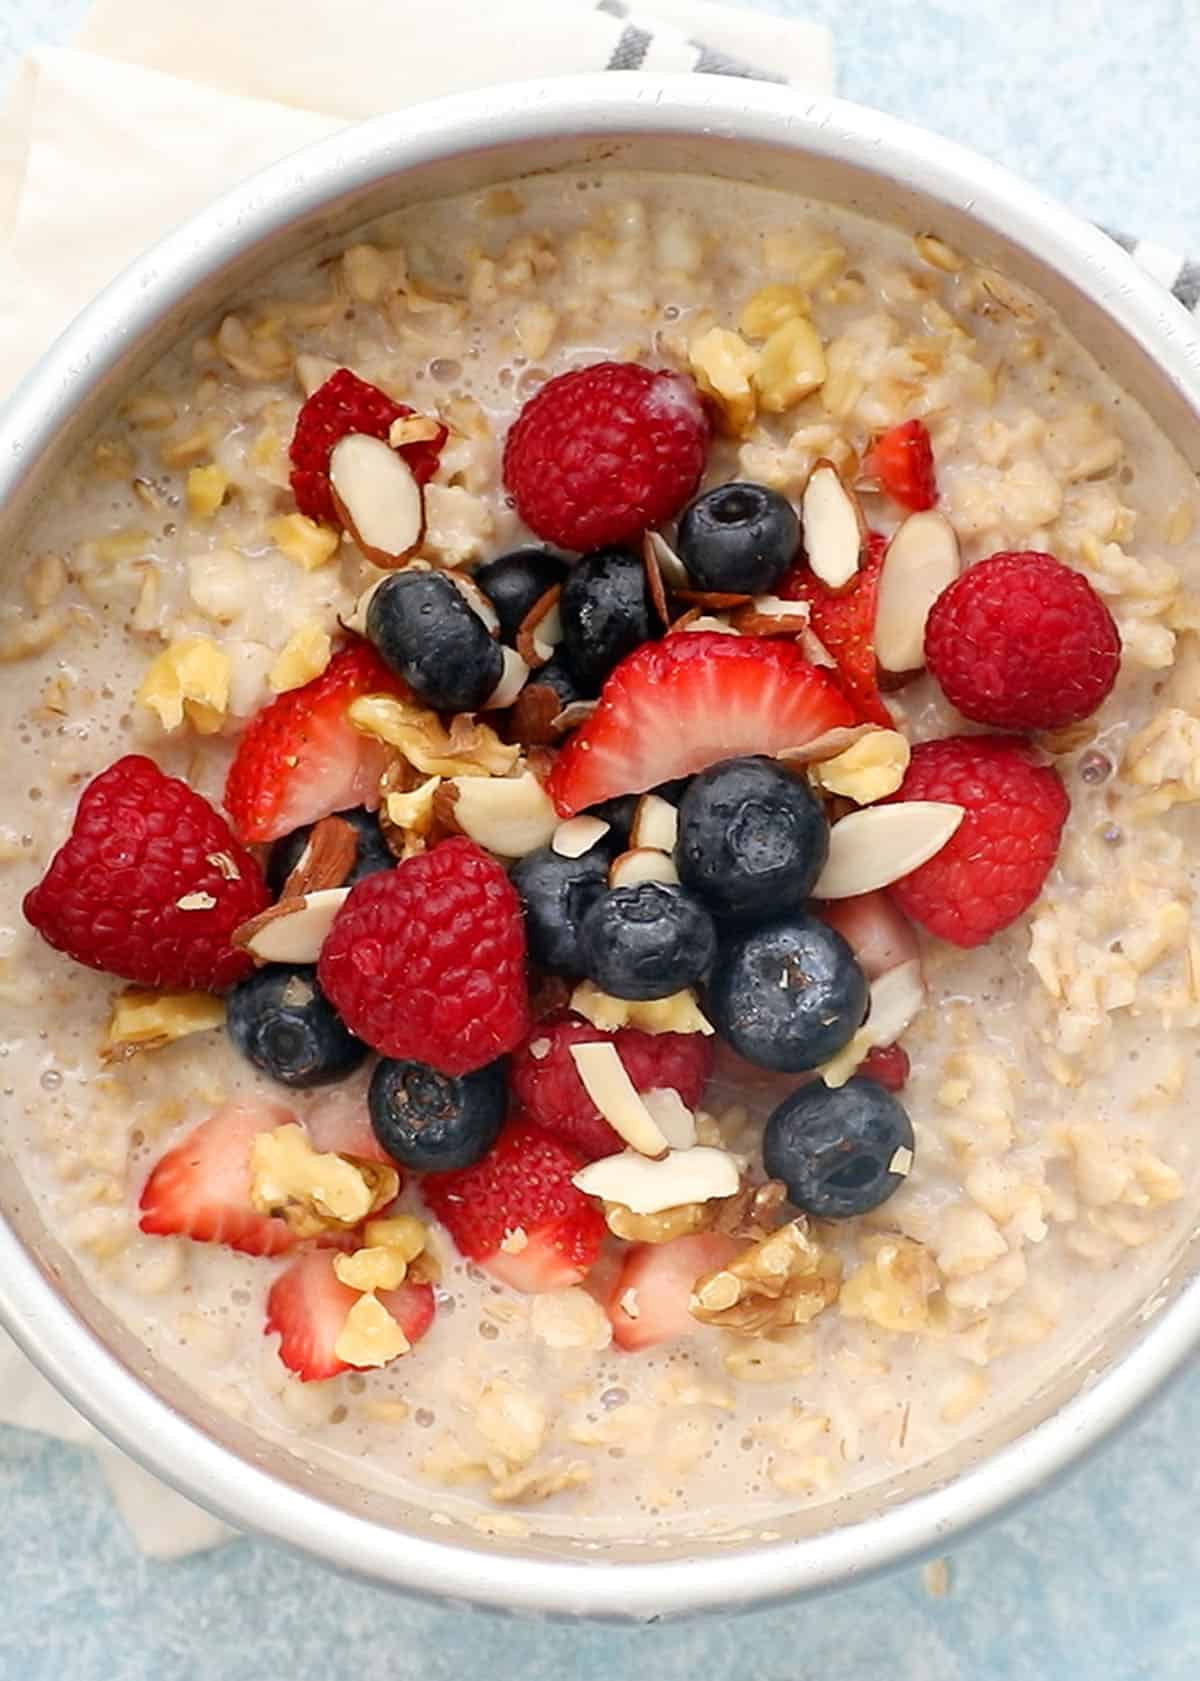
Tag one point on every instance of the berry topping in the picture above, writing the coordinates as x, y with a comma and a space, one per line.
1022, 642
839, 1152
687, 702
994, 865
149, 885
435, 1122
606, 613
283, 1023
515, 582
517, 1212
649, 1303
308, 1306
876, 932
557, 894
647, 941
601, 454
902, 460
425, 631
843, 621
346, 404
340, 1122
300, 759
545, 1079
888, 1065
427, 962
371, 850
201, 1188
738, 537
752, 838
787, 995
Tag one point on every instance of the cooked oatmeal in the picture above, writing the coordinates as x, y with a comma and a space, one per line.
170, 590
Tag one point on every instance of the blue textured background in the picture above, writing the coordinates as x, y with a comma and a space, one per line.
1096, 101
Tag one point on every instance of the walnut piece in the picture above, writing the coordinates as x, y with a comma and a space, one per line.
786, 1278
315, 1191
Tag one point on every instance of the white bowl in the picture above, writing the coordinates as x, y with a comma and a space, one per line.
715, 126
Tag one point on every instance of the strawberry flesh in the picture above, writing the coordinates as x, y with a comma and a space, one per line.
300, 759
844, 623
674, 707
875, 928
346, 404
308, 1304
201, 1188
649, 1303
902, 460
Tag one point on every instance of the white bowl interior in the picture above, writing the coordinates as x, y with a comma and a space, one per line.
830, 153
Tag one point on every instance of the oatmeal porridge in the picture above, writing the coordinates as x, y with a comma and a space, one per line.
702, 1071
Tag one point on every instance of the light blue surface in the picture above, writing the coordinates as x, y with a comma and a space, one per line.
1095, 100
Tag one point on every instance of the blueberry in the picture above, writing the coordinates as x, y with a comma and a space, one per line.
647, 941
557, 675
557, 894
834, 1149
514, 582
738, 537
422, 626
619, 812
752, 838
606, 613
282, 1021
372, 854
431, 1122
787, 995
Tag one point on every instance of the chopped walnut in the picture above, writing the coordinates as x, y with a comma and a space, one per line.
466, 748
370, 1336
145, 1020
786, 1278
315, 1191
661, 1227
894, 1287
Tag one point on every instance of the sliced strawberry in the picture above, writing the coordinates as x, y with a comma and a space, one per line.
300, 759
521, 1195
888, 1065
341, 1121
201, 1188
308, 1305
342, 405
676, 706
649, 1303
902, 460
876, 930
844, 623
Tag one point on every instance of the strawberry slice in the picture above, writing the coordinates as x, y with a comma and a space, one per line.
887, 1065
521, 1191
300, 759
902, 460
676, 706
649, 1304
201, 1188
342, 405
875, 929
844, 623
341, 1121
308, 1305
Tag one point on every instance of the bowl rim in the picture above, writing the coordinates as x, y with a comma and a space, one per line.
66, 1350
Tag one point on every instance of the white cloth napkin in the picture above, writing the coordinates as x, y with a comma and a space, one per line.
156, 110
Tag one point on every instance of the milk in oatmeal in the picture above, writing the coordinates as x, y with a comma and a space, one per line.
1053, 1069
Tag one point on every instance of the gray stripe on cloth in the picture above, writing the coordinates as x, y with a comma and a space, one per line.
631, 49
1187, 287
713, 62
614, 8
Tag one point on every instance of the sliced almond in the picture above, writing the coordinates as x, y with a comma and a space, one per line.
313, 371
826, 746
509, 815
671, 1116
716, 601
578, 835
414, 429
705, 621
540, 630
655, 824
675, 574
654, 580
834, 528
921, 561
647, 1187
815, 651
476, 600
606, 1081
639, 864
578, 712
377, 497
513, 677
685, 621
872, 848
770, 615
896, 1000
294, 930
326, 861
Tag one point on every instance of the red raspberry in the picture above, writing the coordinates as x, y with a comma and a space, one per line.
1022, 642
428, 960
992, 868
888, 1065
548, 1087
345, 404
150, 884
603, 453
902, 460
